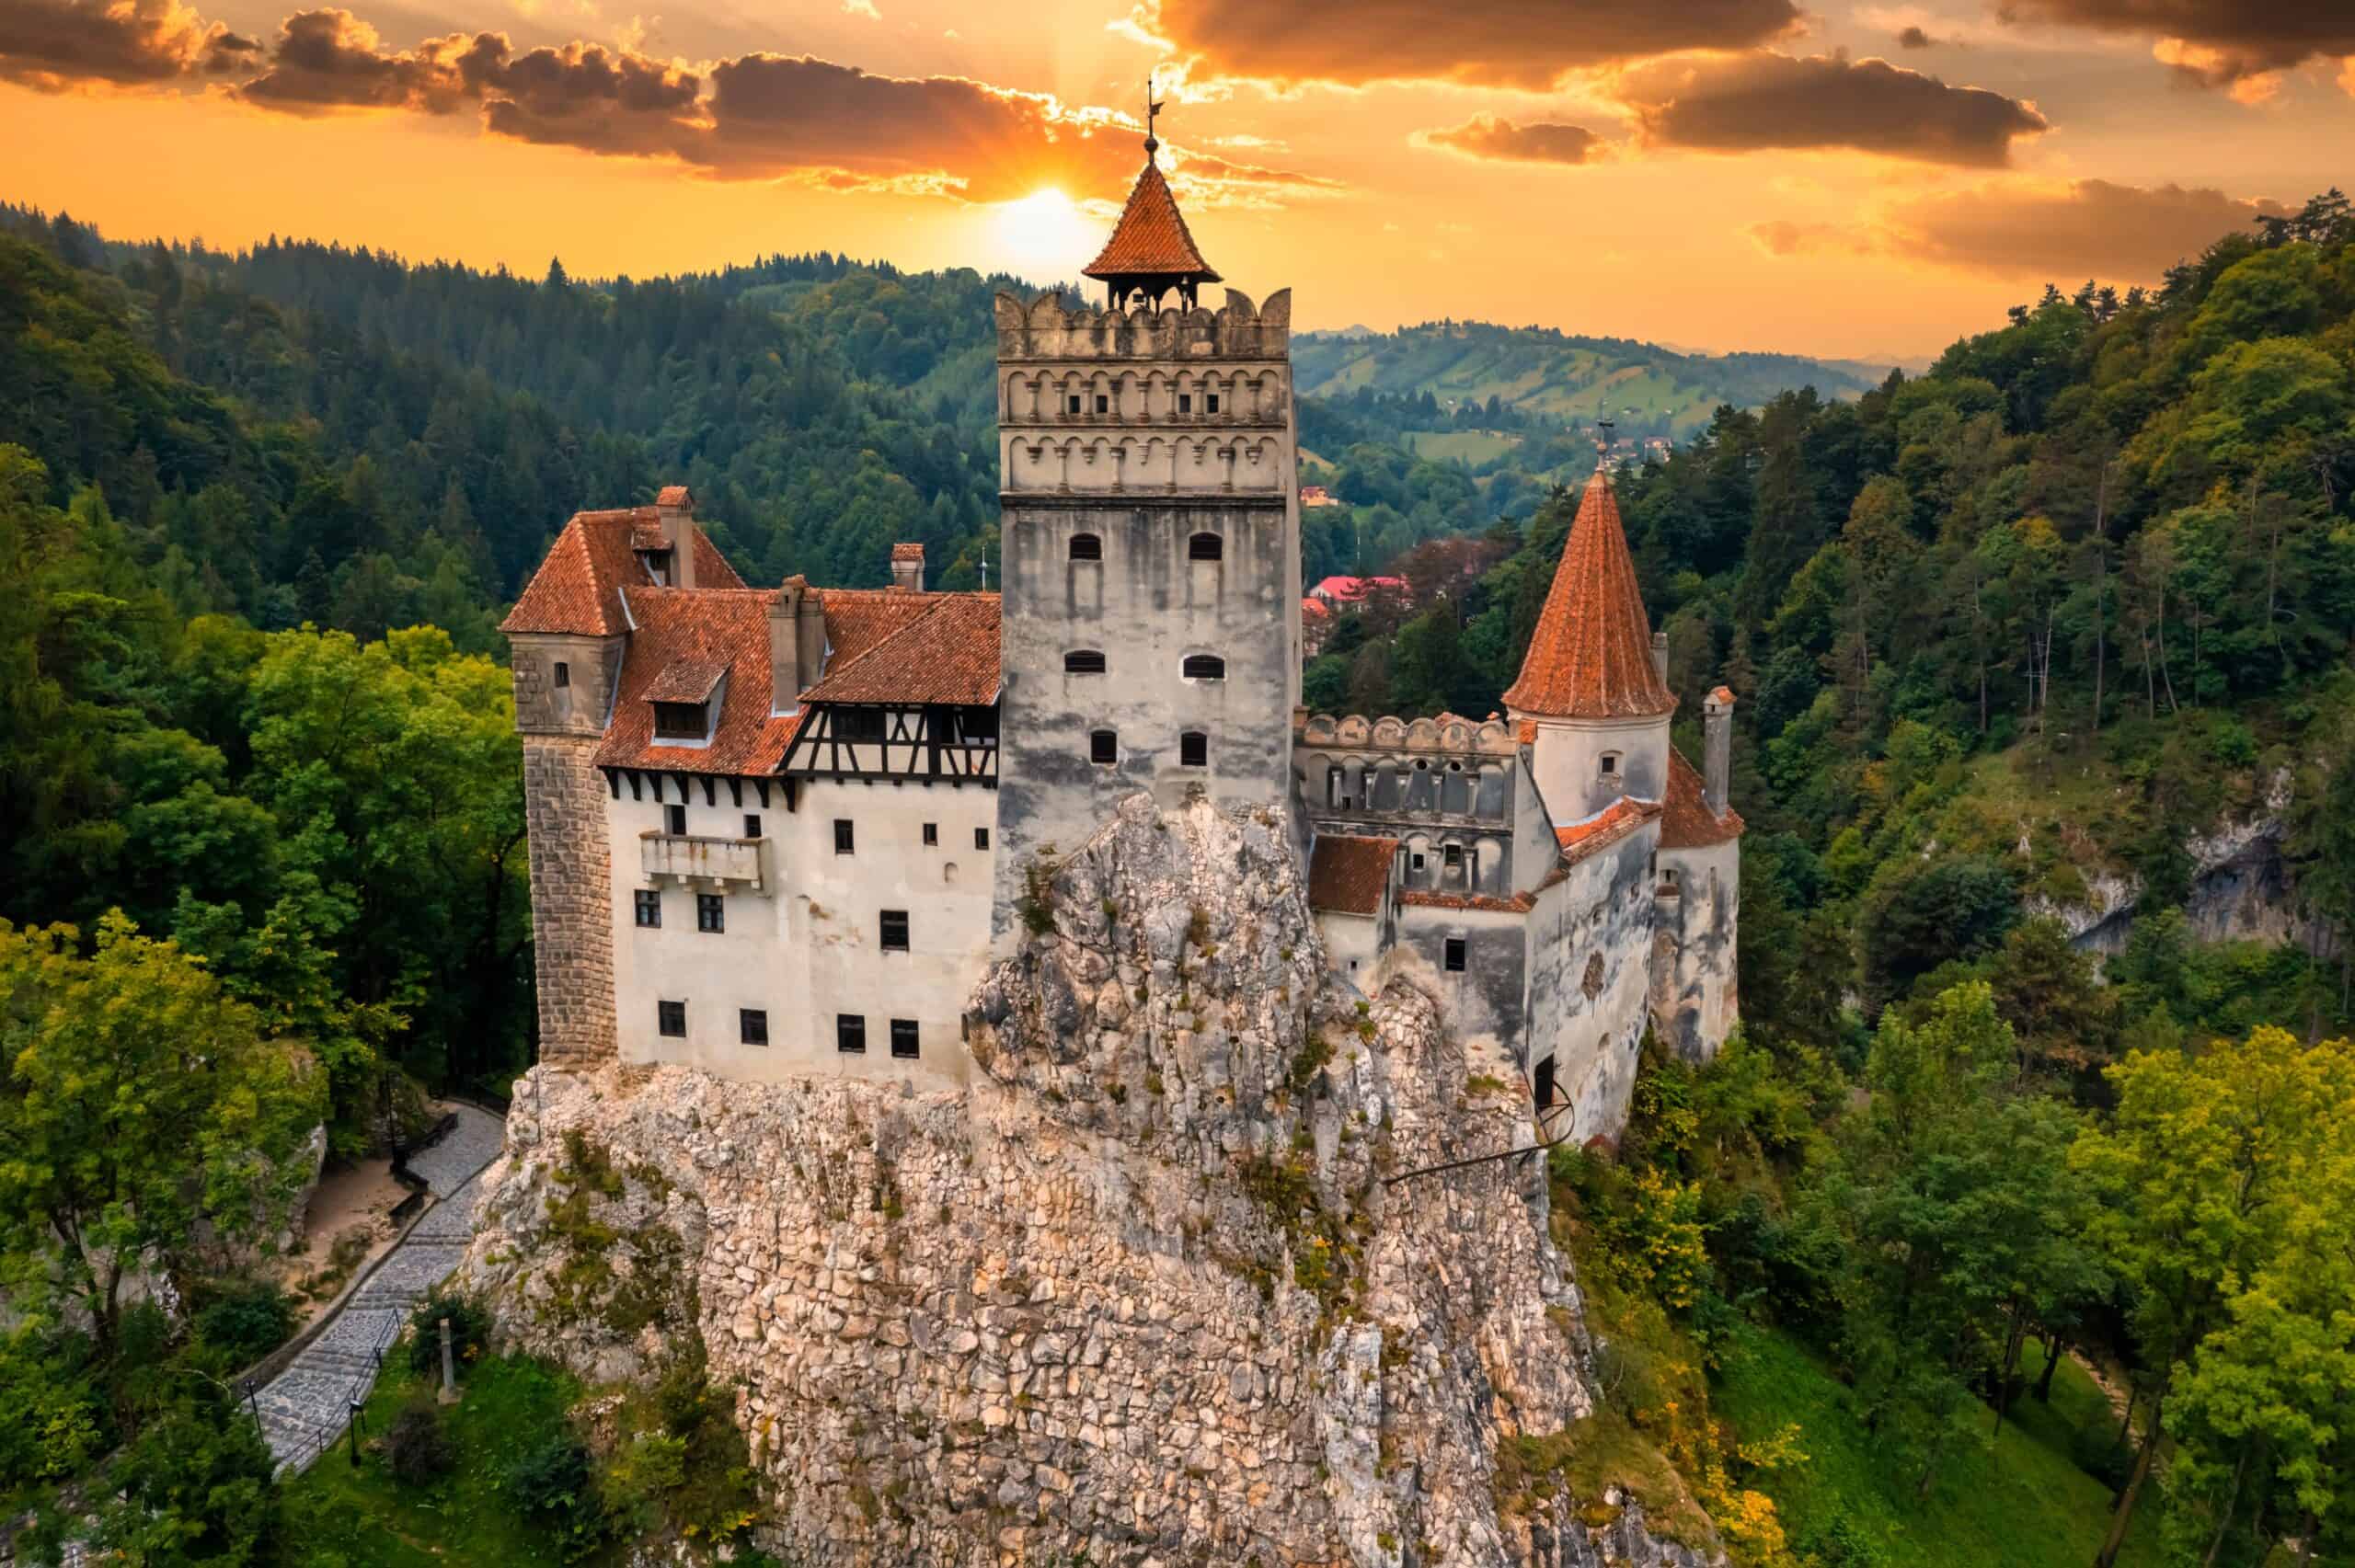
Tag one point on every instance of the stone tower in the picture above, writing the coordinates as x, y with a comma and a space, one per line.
1593, 689
1150, 531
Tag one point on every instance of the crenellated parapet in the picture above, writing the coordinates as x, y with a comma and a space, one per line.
1449, 733
1048, 329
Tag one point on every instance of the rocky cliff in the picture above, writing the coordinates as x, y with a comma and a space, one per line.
1149, 1292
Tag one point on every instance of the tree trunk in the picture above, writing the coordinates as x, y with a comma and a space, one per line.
2124, 1514
2054, 1349
2231, 1504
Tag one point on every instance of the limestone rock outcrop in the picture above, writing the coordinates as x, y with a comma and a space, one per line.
1152, 1290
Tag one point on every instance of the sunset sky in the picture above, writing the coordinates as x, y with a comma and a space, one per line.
1860, 179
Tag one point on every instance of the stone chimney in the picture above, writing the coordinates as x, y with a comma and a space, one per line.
907, 567
1717, 748
784, 645
1659, 656
674, 509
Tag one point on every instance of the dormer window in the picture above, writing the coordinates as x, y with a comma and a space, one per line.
682, 721
658, 565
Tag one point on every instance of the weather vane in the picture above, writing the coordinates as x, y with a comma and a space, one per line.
1152, 107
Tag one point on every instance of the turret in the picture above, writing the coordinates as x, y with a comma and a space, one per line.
1717, 749
1594, 685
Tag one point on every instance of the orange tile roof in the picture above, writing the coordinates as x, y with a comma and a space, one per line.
1152, 238
947, 654
907, 552
1685, 821
1314, 607
577, 588
682, 633
1591, 654
687, 681
1606, 827
1348, 874
1519, 904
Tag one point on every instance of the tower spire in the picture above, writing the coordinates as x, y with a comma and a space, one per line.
1151, 251
1152, 108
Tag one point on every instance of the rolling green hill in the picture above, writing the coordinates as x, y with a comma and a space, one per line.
1538, 371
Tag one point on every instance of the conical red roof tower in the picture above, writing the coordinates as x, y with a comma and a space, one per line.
1591, 655
1150, 248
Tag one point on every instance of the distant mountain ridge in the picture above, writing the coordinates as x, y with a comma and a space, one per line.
1647, 389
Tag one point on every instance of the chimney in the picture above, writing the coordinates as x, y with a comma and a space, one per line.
1717, 748
1659, 656
674, 509
809, 637
784, 645
907, 567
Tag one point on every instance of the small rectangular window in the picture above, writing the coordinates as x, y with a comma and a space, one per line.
1211, 402
1193, 750
931, 835
1070, 403
850, 1032
752, 1025
671, 1018
1455, 953
904, 1039
1455, 856
681, 721
843, 843
650, 906
981, 838
1416, 861
1103, 404
895, 930
674, 819
563, 674
751, 824
1185, 402
1104, 748
711, 912
1541, 1088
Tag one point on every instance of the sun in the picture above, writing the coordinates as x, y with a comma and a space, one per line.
1044, 235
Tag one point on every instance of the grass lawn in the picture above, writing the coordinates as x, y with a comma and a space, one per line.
2020, 1503
1472, 446
343, 1517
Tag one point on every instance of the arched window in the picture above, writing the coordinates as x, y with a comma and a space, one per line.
1206, 547
1084, 661
1203, 667
1193, 750
1104, 746
1087, 547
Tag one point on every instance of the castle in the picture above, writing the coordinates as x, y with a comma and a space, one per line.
781, 832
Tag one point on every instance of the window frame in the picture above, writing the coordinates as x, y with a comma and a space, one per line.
1193, 748
647, 906
1104, 748
1085, 547
981, 838
845, 837
666, 1012
1086, 661
711, 914
914, 1040
674, 818
670, 721
752, 825
752, 1021
1456, 957
1201, 667
932, 835
1205, 545
563, 675
885, 920
850, 1034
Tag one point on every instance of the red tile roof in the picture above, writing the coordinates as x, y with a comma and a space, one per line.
682, 633
1347, 875
948, 653
1519, 904
687, 681
907, 552
1314, 607
1606, 827
1591, 654
1151, 239
1685, 822
577, 588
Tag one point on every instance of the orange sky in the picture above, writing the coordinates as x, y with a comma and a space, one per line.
1866, 180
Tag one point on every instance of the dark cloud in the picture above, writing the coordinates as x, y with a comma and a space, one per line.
1914, 38
56, 44
329, 59
1518, 43
2088, 228
2212, 42
1539, 142
597, 99
1746, 102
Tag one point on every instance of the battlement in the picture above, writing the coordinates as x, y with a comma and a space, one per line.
1448, 735
1048, 329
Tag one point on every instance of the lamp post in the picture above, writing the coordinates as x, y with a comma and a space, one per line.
354, 1431
252, 1403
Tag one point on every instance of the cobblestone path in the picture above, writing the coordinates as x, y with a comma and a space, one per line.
304, 1409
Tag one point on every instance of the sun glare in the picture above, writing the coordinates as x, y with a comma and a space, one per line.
1044, 235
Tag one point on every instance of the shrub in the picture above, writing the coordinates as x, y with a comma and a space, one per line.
417, 1448
552, 1483
245, 1320
469, 1330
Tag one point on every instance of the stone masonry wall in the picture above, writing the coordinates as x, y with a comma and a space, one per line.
572, 911
1143, 1294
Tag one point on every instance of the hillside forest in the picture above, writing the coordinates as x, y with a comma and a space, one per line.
2017, 1225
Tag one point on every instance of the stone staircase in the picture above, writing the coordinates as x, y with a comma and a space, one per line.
305, 1408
